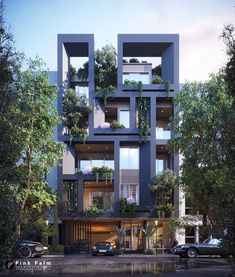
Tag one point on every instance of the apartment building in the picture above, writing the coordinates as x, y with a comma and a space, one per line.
134, 161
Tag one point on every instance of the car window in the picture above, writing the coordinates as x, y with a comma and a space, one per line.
206, 241
103, 244
214, 241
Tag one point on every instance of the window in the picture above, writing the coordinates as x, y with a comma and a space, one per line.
84, 164
129, 158
70, 196
124, 118
161, 164
130, 191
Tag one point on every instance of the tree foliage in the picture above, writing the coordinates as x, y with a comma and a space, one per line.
163, 184
76, 109
202, 126
35, 107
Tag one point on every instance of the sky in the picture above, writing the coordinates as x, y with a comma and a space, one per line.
36, 23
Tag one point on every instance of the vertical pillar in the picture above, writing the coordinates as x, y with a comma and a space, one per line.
131, 236
132, 112
116, 176
196, 234
80, 195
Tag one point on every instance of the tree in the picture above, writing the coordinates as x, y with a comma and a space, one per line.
200, 127
162, 184
228, 73
76, 109
10, 142
105, 67
120, 232
149, 232
35, 107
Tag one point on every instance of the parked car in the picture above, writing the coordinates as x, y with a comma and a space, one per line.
208, 247
27, 249
104, 248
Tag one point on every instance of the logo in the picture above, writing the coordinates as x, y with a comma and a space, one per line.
10, 264
24, 265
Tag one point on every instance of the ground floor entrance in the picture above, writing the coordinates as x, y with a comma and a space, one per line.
80, 235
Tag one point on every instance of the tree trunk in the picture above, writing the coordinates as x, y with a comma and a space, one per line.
55, 239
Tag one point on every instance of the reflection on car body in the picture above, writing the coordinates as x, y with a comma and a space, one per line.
208, 247
27, 249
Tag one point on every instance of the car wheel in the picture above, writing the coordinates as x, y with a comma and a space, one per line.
25, 252
192, 252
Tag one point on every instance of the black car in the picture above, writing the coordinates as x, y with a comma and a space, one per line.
104, 248
208, 247
27, 249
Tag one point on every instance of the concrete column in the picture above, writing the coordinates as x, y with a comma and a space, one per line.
196, 234
132, 112
116, 176
131, 236
80, 195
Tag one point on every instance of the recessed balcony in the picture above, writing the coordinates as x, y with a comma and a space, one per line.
164, 111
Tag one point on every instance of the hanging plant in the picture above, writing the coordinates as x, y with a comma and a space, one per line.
143, 106
167, 86
105, 93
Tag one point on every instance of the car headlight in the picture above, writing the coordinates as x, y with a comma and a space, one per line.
45, 248
111, 248
94, 247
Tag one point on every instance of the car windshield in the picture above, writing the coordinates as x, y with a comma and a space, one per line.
212, 241
99, 244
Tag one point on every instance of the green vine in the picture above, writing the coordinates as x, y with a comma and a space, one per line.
167, 86
167, 83
81, 132
105, 93
144, 128
143, 109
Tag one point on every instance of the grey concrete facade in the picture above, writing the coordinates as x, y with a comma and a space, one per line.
165, 46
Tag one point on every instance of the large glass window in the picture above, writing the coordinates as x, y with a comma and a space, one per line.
130, 192
70, 194
161, 164
124, 118
84, 164
129, 158
103, 199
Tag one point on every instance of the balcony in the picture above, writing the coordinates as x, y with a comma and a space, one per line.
163, 159
100, 195
164, 111
89, 156
113, 118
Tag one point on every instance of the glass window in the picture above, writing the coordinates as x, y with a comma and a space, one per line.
124, 118
84, 164
70, 196
130, 192
161, 164
102, 200
129, 158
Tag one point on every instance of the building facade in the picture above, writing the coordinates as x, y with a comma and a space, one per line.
134, 159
